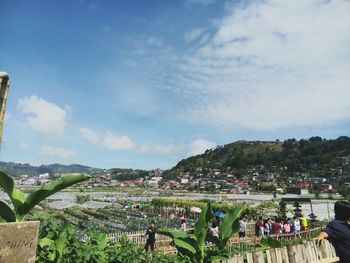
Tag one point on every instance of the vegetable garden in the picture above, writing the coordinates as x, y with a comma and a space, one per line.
79, 235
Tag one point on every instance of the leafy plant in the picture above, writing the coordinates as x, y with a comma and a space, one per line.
270, 242
22, 204
52, 249
193, 245
59, 242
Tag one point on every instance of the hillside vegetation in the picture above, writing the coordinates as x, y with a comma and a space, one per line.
306, 155
17, 169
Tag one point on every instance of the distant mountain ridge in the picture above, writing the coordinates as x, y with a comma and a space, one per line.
17, 169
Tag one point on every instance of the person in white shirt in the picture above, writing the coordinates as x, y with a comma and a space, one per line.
214, 229
242, 227
296, 226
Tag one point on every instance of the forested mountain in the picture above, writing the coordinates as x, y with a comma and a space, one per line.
307, 155
16, 169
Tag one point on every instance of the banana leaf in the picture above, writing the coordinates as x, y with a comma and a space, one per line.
6, 212
17, 197
47, 190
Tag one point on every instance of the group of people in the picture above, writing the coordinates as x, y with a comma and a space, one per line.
337, 231
277, 226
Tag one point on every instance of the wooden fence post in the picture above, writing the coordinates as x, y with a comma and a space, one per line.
292, 254
250, 258
258, 257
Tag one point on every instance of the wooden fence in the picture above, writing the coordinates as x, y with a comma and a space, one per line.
138, 236
308, 252
163, 242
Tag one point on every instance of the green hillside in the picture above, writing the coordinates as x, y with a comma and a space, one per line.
17, 169
307, 155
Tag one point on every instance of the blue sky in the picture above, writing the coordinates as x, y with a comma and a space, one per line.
143, 84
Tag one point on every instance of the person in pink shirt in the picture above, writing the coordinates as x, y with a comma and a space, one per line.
286, 227
183, 220
260, 224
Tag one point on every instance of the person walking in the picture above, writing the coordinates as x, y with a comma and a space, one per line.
214, 228
304, 224
242, 227
276, 227
296, 227
268, 227
286, 227
260, 225
150, 237
183, 220
338, 231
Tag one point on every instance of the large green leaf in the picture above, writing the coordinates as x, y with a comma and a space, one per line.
16, 196
49, 246
185, 244
235, 226
173, 234
201, 227
226, 226
46, 242
6, 212
61, 243
49, 189
101, 240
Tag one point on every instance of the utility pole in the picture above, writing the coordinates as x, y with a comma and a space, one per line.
4, 87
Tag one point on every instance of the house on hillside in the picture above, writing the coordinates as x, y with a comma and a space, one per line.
153, 181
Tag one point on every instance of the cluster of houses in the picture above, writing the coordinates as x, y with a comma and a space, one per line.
33, 180
255, 178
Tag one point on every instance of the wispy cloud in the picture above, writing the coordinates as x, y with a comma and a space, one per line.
109, 141
116, 143
57, 152
161, 149
44, 117
154, 42
271, 65
199, 146
89, 135
194, 34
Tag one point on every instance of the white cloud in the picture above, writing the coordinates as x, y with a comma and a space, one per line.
89, 135
44, 117
113, 142
271, 65
109, 141
164, 149
56, 152
199, 146
23, 145
194, 34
